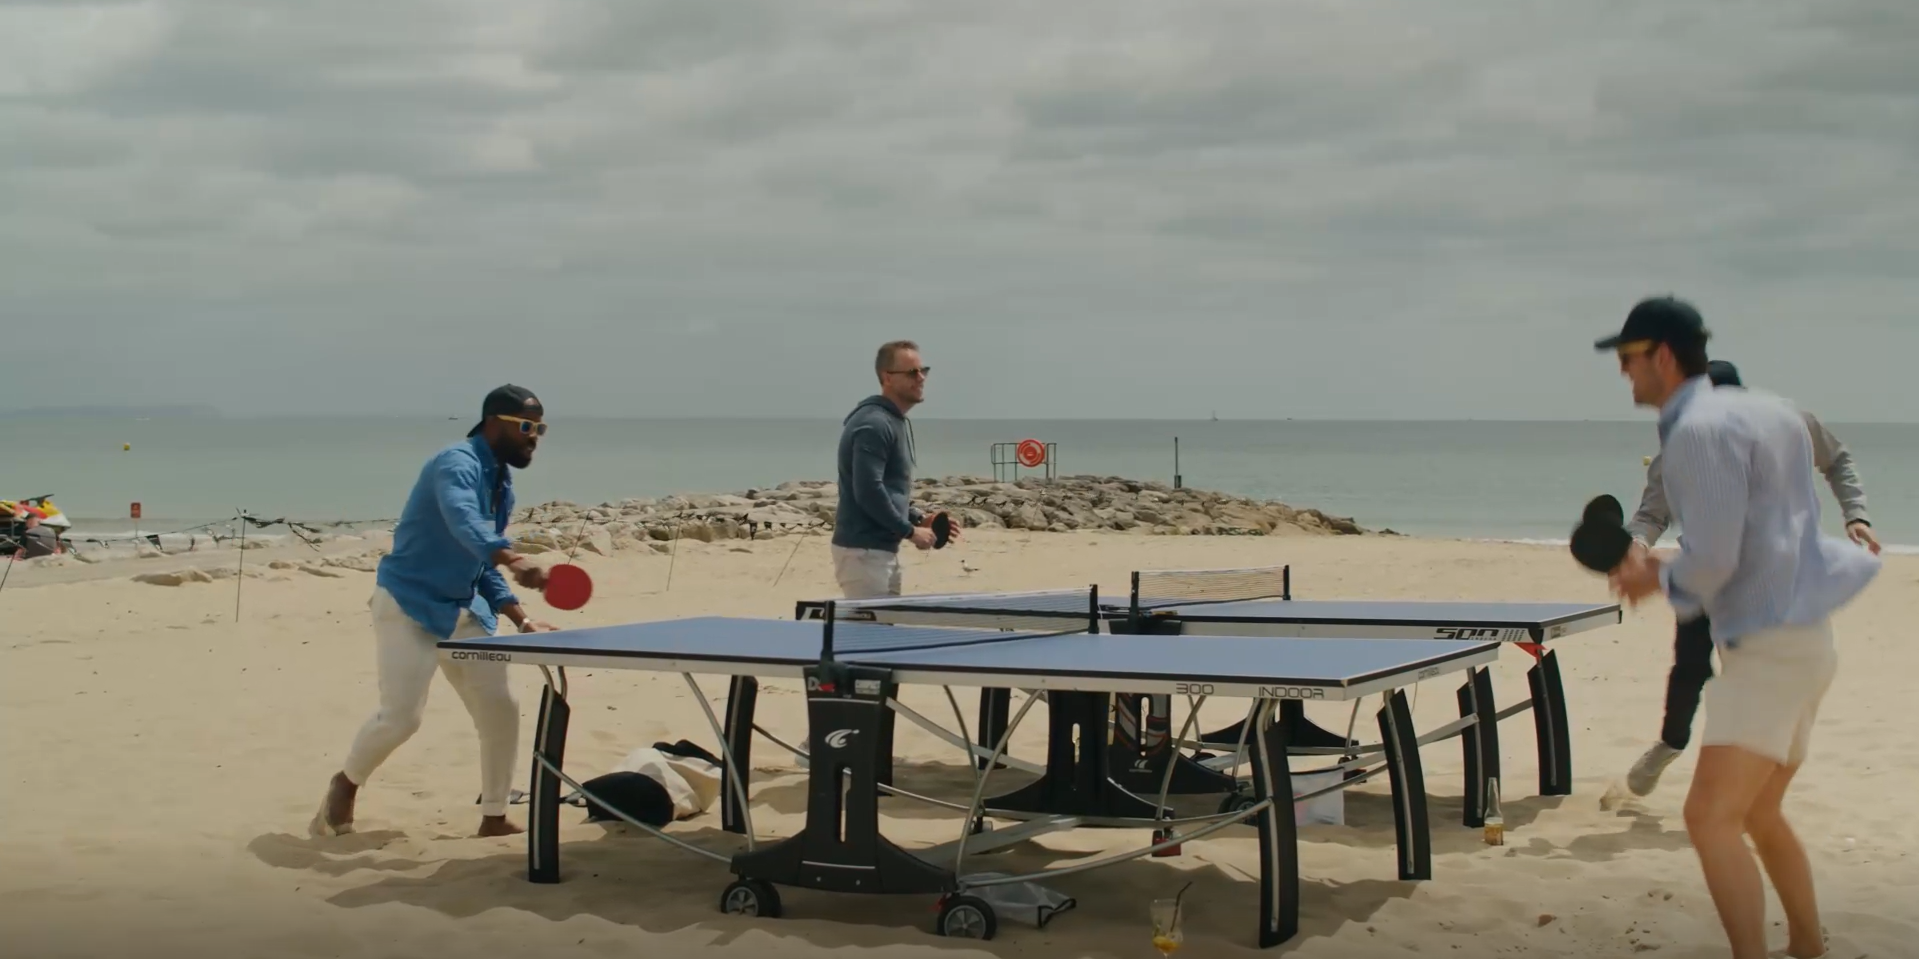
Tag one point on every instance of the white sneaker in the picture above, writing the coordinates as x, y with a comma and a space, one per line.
1643, 778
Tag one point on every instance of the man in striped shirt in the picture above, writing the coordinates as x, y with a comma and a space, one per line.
1738, 474
1692, 640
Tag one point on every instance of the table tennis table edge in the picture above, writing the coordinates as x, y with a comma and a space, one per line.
1467, 656
918, 613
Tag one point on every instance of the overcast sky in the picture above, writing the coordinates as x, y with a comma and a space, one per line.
1310, 208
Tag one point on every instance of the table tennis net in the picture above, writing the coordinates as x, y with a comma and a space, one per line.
1044, 610
844, 637
1162, 588
1050, 610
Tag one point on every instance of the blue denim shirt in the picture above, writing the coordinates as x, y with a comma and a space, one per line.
1738, 472
441, 561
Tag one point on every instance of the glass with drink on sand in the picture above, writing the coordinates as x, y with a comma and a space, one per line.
1167, 934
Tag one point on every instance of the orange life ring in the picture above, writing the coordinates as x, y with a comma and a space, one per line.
1031, 453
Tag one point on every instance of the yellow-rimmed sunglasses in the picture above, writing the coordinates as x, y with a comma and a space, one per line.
526, 426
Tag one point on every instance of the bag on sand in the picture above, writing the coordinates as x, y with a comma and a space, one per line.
668, 782
1027, 902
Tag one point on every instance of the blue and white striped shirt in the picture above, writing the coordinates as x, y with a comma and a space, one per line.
1739, 476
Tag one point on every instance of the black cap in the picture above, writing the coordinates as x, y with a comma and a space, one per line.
1723, 373
509, 400
1660, 319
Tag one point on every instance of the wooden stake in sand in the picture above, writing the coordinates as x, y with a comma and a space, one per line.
795, 552
240, 576
679, 530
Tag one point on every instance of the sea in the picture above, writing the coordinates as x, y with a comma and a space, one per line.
1510, 481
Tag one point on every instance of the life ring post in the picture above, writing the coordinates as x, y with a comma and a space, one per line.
1030, 453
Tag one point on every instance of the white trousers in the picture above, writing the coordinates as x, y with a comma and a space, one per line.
407, 655
866, 573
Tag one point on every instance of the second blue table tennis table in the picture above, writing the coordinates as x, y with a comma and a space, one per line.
852, 671
1258, 602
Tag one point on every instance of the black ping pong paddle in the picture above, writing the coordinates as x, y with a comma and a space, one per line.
942, 530
1605, 509
1600, 546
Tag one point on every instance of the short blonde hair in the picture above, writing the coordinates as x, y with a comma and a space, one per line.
890, 350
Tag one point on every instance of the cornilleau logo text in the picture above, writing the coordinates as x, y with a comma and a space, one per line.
838, 738
482, 655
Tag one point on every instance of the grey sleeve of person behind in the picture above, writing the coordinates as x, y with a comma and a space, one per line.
1653, 516
1832, 459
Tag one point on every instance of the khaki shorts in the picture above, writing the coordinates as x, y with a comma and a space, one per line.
1768, 691
866, 573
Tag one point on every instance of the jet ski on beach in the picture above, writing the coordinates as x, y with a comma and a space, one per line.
33, 526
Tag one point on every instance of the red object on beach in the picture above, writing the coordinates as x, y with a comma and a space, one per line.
568, 587
1031, 453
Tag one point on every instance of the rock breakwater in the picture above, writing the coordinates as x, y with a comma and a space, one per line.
1060, 505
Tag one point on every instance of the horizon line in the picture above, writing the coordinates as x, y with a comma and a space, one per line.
174, 413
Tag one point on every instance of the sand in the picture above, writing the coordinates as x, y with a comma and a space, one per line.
162, 762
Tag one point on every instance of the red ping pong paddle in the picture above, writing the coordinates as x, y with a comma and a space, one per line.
568, 587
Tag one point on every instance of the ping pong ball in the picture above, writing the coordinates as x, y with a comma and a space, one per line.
1645, 461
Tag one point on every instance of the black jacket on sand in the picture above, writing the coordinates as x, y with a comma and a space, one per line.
875, 477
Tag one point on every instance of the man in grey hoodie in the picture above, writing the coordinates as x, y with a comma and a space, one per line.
1692, 640
876, 511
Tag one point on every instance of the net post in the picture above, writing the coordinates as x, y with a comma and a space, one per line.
1286, 581
1092, 609
826, 633
1133, 607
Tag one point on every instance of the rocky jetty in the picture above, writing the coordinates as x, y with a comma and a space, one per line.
1060, 505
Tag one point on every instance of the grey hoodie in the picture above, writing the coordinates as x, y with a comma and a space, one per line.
876, 478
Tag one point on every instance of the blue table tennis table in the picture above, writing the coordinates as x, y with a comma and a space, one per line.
851, 672
1258, 602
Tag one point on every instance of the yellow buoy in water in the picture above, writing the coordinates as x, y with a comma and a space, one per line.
125, 446
1647, 461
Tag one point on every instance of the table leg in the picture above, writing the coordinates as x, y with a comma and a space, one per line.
1278, 833
1142, 748
543, 816
994, 707
1480, 743
1078, 780
742, 697
840, 848
1549, 723
1408, 777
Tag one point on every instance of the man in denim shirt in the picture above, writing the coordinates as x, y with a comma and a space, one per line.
441, 580
1738, 474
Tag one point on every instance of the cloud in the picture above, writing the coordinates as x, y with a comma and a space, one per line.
1316, 209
